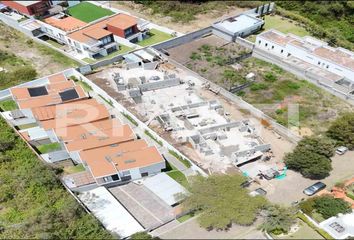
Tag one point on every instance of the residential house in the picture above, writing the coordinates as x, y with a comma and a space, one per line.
337, 63
100, 38
29, 8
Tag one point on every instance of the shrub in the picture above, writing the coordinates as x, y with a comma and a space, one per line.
195, 56
258, 86
269, 77
307, 206
329, 206
342, 130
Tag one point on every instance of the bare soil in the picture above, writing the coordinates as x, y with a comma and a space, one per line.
202, 20
16, 42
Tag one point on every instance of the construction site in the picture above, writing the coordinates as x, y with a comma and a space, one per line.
189, 114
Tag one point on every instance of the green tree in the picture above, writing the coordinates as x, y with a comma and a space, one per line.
329, 206
309, 164
278, 219
321, 145
342, 130
222, 201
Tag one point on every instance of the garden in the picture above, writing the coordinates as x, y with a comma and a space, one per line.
154, 36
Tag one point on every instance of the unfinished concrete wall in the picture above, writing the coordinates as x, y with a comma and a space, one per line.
159, 84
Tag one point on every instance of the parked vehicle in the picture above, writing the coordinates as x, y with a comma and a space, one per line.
311, 190
341, 150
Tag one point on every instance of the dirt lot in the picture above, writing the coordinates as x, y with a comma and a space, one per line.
292, 102
202, 20
44, 59
208, 57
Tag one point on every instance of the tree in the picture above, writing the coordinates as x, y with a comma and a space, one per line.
278, 219
329, 206
321, 145
342, 130
222, 201
309, 164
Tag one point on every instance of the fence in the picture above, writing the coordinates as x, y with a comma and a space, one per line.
174, 42
245, 43
141, 125
281, 130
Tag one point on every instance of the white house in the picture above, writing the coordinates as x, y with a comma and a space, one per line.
339, 61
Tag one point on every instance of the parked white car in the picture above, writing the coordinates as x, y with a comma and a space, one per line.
341, 150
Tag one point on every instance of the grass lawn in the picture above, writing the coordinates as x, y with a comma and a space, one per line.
29, 125
74, 169
88, 12
156, 36
185, 217
84, 85
8, 105
284, 26
304, 232
123, 49
54, 43
178, 177
51, 147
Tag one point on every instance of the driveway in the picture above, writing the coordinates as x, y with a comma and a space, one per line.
343, 168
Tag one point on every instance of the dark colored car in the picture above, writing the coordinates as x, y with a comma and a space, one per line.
311, 190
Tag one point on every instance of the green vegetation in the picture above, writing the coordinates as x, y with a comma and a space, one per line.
179, 177
180, 158
316, 107
329, 20
304, 232
88, 12
19, 70
320, 231
311, 157
186, 11
154, 36
122, 49
186, 217
8, 105
84, 85
74, 169
54, 43
109, 102
221, 201
278, 220
29, 125
342, 130
153, 137
284, 25
58, 56
50, 147
142, 236
130, 118
327, 206
34, 204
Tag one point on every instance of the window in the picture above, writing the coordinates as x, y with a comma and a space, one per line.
319, 63
266, 44
289, 54
327, 66
144, 174
282, 51
115, 177
272, 47
107, 179
77, 45
128, 32
259, 42
126, 178
69, 40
